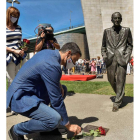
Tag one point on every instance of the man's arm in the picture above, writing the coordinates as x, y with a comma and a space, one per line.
103, 48
51, 77
129, 41
129, 47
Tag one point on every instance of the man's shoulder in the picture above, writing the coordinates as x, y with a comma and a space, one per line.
47, 53
126, 28
108, 29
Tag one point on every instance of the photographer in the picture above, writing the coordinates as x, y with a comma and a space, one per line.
46, 40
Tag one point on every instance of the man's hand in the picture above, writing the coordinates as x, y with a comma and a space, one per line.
105, 59
74, 128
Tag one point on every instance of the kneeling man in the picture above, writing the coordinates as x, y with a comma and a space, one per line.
37, 85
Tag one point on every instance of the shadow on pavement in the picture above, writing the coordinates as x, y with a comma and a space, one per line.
75, 120
70, 93
8, 110
37, 136
126, 100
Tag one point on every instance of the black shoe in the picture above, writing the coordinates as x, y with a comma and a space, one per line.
13, 136
61, 130
115, 109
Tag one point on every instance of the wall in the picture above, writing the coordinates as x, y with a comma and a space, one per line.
79, 39
97, 17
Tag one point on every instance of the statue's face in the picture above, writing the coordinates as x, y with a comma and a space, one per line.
116, 19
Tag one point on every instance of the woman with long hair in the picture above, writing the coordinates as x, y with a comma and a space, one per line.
13, 44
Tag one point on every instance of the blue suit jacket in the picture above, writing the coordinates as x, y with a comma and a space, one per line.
38, 81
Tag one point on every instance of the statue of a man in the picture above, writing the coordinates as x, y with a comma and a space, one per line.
116, 51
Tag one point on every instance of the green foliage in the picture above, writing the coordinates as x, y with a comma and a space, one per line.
92, 132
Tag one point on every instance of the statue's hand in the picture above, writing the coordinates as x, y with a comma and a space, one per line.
122, 59
105, 59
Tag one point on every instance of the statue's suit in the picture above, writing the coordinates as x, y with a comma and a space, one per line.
116, 51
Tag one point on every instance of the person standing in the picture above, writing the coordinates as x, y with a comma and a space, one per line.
128, 69
87, 66
93, 66
132, 64
102, 65
36, 85
116, 51
13, 44
98, 64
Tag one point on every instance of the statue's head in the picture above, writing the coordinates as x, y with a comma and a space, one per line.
116, 18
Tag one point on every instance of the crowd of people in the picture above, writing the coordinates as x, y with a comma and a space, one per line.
94, 66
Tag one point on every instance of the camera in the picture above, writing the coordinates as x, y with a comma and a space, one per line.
48, 36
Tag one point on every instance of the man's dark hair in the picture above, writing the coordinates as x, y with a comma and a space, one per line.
71, 46
114, 14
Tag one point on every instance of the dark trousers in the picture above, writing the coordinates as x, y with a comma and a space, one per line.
98, 70
116, 76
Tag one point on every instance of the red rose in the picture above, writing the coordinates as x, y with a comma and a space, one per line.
27, 41
100, 128
103, 132
24, 40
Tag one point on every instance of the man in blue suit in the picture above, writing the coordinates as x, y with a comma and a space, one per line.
37, 85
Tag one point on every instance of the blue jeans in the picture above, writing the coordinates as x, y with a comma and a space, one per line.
44, 118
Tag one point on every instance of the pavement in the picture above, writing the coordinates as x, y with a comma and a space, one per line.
129, 79
90, 109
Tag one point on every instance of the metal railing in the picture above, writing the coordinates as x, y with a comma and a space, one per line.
82, 24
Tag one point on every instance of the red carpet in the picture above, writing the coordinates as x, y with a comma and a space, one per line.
77, 77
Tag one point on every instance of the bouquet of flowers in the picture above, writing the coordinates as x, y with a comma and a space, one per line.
96, 133
25, 42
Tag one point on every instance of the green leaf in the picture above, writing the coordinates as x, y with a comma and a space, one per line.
96, 134
91, 132
84, 134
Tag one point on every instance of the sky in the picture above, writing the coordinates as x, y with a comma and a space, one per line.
55, 12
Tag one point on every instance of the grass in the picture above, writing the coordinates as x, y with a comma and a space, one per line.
103, 88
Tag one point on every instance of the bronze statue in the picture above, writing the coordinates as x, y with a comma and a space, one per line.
116, 51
